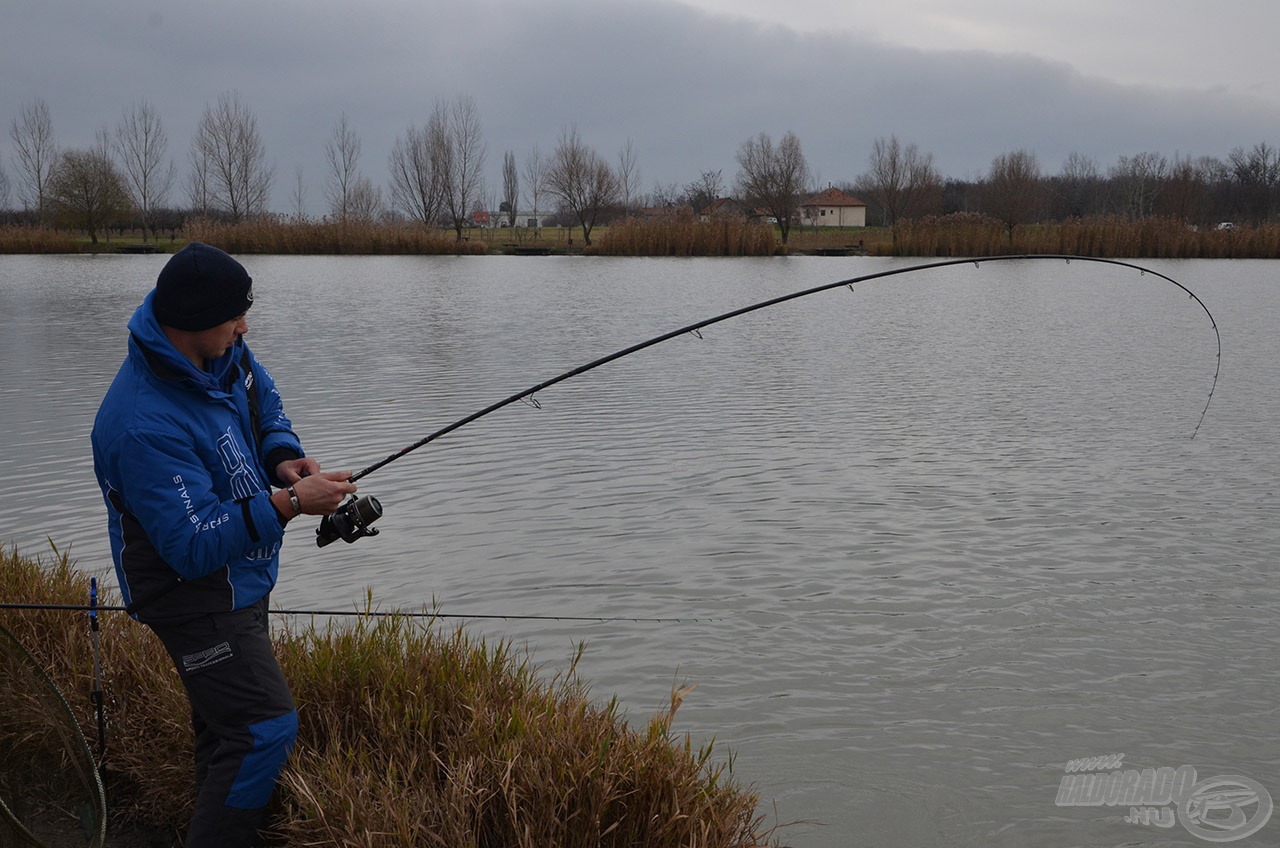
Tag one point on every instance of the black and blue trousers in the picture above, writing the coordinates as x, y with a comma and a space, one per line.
243, 715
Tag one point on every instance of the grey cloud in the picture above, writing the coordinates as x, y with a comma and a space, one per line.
688, 88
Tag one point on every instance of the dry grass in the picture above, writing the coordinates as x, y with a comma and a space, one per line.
499, 239
959, 234
26, 239
971, 234
149, 782
875, 240
686, 237
411, 734
329, 237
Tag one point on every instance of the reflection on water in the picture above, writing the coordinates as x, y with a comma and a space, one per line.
951, 524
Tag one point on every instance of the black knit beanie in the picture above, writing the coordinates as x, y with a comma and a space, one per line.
201, 287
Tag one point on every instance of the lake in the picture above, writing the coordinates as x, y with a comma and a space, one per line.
951, 526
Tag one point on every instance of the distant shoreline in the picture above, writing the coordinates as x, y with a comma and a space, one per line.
957, 235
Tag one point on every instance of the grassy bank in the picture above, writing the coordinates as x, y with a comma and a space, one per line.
961, 234
969, 234
410, 734
329, 237
23, 239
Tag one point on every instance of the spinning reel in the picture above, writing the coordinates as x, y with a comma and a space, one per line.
350, 521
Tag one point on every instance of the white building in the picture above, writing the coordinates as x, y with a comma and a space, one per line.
834, 208
490, 220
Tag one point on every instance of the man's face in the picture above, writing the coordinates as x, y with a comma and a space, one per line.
215, 341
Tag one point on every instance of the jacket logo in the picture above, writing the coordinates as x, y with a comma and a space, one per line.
244, 482
185, 497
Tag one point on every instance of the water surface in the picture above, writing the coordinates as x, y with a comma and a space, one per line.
952, 525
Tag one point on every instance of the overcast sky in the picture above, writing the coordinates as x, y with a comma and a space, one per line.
687, 80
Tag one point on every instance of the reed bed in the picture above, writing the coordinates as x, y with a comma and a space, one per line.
21, 238
686, 237
327, 237
957, 234
410, 734
972, 234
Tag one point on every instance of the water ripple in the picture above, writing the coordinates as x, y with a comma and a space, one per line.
951, 528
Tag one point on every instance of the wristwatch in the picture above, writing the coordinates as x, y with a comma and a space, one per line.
294, 502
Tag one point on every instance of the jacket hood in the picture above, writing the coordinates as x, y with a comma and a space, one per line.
149, 343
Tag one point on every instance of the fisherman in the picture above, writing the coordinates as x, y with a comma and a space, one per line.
187, 445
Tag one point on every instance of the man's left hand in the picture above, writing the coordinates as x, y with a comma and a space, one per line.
293, 470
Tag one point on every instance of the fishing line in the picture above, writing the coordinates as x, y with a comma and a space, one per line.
93, 609
696, 327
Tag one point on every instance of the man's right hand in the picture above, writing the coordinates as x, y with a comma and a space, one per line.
322, 493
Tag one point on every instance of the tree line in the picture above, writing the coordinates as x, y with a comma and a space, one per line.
436, 177
1197, 191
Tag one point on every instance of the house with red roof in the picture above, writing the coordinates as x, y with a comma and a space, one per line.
730, 208
725, 207
833, 208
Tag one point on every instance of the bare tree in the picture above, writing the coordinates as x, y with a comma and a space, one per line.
535, 180
103, 146
103, 151
1013, 191
199, 186
4, 189
141, 145
299, 195
466, 155
901, 182
774, 178
582, 180
342, 152
1185, 191
87, 190
704, 191
419, 162
1218, 189
364, 201
229, 147
35, 152
665, 195
482, 210
1079, 186
510, 186
1257, 175
628, 174
1137, 181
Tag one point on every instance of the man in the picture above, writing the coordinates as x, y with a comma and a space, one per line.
187, 444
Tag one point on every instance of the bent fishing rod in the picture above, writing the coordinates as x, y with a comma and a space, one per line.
353, 519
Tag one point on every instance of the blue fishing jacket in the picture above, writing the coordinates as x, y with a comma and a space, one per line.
187, 479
